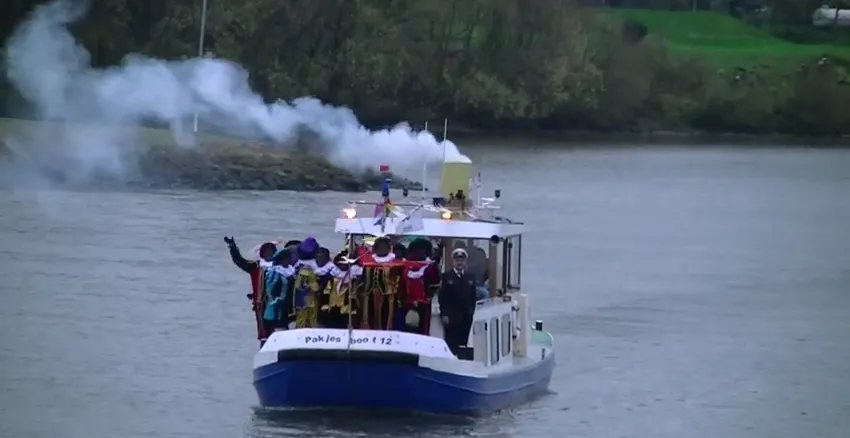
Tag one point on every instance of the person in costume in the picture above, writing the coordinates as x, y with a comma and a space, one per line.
276, 289
254, 268
323, 264
305, 293
267, 251
293, 244
420, 282
400, 251
399, 313
338, 301
379, 282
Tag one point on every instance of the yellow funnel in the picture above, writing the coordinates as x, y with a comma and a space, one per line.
455, 176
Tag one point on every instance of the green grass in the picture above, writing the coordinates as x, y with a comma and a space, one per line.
721, 37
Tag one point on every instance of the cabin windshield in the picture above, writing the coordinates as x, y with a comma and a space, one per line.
511, 264
495, 266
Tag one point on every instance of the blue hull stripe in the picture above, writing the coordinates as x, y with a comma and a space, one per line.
393, 385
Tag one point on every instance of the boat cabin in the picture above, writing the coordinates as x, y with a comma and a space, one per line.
494, 248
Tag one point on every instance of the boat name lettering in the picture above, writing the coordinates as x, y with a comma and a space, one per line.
374, 340
323, 339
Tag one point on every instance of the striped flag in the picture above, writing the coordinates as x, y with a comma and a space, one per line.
383, 211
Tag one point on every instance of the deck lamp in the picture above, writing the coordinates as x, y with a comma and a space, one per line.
350, 213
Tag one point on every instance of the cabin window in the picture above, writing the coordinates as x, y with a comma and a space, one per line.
479, 342
494, 341
512, 262
506, 335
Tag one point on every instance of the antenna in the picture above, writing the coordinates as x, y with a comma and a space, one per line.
424, 168
445, 134
478, 189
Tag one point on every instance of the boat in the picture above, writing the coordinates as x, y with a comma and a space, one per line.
508, 358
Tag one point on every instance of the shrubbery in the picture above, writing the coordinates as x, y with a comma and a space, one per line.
521, 64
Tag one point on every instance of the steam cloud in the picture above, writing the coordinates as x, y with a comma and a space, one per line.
53, 72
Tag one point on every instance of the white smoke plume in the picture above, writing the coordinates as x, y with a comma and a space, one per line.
53, 72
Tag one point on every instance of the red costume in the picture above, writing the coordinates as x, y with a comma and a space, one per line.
255, 270
419, 277
258, 298
414, 282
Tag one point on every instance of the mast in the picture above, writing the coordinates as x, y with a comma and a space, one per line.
478, 190
424, 169
445, 134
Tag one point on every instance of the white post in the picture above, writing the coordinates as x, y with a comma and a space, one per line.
445, 134
424, 169
478, 189
201, 46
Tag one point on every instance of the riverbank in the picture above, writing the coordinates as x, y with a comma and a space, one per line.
28, 152
460, 134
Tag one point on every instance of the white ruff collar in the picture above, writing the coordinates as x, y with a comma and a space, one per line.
264, 263
385, 259
315, 268
418, 273
286, 271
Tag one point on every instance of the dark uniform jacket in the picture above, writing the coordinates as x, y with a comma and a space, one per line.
457, 295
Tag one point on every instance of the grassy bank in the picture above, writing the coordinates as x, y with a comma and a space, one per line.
723, 39
155, 162
709, 72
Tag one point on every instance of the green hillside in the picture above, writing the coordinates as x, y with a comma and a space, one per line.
713, 35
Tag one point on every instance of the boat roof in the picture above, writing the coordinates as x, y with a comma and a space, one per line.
430, 228
424, 219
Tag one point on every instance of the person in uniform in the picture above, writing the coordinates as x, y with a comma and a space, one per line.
457, 301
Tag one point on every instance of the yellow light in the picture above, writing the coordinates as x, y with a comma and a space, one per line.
446, 215
350, 213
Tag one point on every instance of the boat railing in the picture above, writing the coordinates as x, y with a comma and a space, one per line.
484, 211
485, 203
482, 302
543, 337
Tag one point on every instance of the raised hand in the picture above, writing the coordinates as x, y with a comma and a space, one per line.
230, 241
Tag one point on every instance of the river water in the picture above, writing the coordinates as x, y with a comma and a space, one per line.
693, 292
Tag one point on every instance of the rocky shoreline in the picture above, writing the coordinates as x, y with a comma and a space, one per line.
211, 166
251, 167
